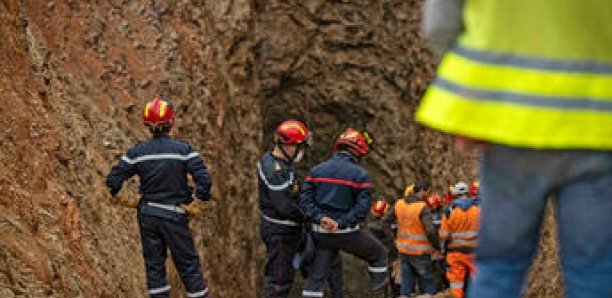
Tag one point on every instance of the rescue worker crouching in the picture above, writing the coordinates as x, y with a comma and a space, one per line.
459, 232
162, 165
336, 199
280, 229
416, 241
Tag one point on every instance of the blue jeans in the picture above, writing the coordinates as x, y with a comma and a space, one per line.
413, 266
515, 186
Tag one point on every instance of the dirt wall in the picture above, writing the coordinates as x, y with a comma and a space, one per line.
75, 75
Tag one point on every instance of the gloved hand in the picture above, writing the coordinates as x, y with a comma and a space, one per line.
125, 200
195, 208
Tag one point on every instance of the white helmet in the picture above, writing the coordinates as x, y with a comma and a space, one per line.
461, 188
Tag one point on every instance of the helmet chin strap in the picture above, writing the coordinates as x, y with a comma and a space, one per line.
294, 158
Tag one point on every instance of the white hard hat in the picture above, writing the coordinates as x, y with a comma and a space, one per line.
461, 188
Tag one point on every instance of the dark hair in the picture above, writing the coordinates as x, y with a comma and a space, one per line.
421, 185
156, 130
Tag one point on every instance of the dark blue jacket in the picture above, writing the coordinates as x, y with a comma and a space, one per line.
337, 188
278, 189
162, 164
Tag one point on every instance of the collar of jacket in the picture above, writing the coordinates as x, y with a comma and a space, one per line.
463, 203
342, 155
412, 198
278, 159
161, 136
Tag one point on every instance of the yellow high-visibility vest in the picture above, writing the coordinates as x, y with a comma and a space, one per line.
528, 73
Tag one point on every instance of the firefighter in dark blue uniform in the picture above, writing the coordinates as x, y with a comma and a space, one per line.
166, 201
280, 228
335, 197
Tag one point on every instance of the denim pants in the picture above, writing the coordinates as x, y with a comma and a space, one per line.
515, 184
279, 273
414, 266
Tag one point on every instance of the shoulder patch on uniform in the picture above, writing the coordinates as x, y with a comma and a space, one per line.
278, 185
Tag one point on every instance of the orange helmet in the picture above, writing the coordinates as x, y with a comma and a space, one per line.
158, 113
292, 132
433, 201
356, 141
379, 208
474, 188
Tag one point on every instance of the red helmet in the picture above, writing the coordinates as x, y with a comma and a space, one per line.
158, 112
449, 196
379, 208
292, 132
354, 140
474, 188
433, 201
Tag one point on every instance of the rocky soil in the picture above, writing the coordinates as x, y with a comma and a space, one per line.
75, 75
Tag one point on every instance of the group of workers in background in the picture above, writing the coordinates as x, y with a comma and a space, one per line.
435, 238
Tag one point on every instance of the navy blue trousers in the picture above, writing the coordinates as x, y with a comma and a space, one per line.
158, 235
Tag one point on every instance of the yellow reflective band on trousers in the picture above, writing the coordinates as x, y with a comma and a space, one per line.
527, 76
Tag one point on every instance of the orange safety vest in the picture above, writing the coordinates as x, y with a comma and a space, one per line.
461, 227
411, 236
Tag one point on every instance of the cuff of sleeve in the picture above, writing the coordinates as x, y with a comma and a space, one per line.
317, 219
114, 191
203, 197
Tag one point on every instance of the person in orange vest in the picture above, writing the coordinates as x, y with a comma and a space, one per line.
459, 233
416, 240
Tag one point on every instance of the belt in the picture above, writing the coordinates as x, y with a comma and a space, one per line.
280, 222
172, 208
319, 229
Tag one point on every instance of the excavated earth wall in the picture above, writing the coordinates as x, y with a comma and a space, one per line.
75, 75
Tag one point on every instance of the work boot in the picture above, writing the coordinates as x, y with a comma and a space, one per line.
378, 282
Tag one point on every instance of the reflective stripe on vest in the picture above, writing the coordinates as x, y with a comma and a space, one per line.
549, 82
413, 249
455, 243
411, 236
